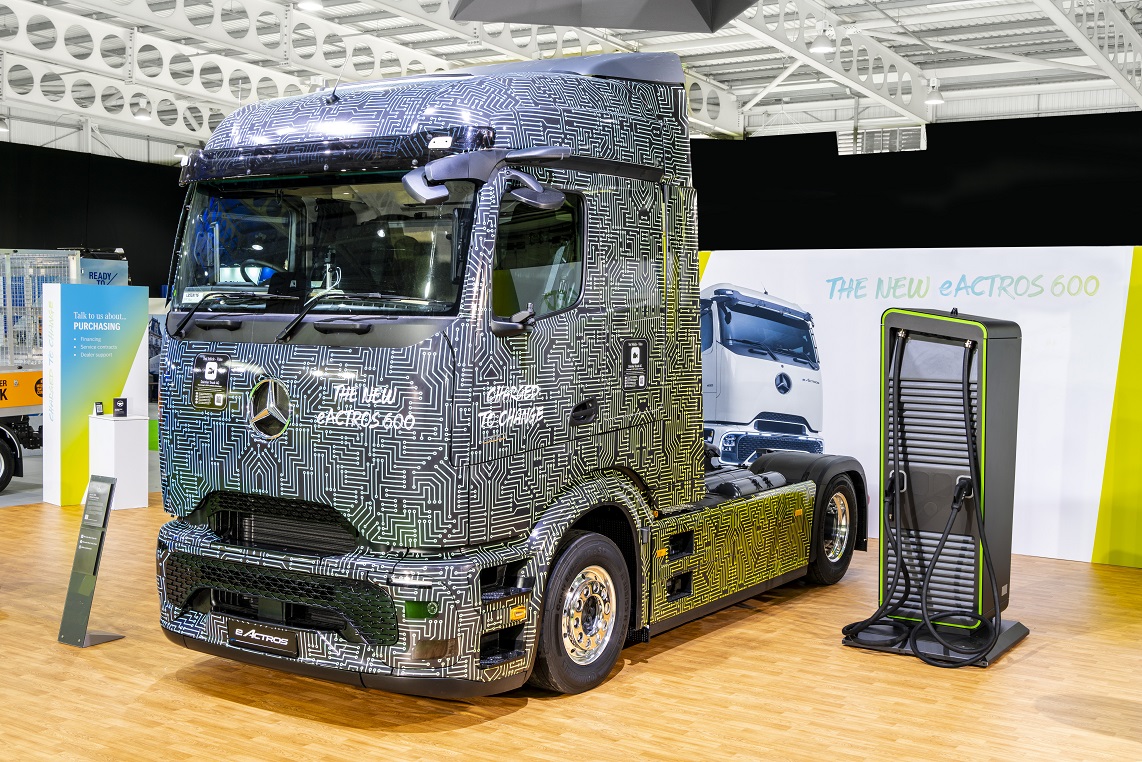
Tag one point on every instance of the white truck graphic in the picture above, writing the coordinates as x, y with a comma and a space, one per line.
761, 375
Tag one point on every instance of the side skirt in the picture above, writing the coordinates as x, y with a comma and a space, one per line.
741, 595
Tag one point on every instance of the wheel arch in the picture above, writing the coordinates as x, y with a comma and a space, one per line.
610, 503
820, 469
616, 525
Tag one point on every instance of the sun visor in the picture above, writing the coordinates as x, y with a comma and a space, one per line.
371, 154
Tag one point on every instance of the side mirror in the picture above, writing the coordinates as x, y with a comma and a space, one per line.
515, 325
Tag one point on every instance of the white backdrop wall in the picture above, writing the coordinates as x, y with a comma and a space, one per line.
1070, 303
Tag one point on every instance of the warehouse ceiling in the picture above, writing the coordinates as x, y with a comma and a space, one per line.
112, 75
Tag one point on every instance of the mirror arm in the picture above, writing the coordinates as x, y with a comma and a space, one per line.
538, 155
426, 184
525, 179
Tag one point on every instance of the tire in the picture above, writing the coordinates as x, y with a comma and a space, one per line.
834, 531
589, 572
8, 464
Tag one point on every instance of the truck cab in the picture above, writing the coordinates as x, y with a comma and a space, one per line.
761, 374
431, 413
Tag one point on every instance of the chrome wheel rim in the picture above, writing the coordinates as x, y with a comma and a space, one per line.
588, 610
836, 529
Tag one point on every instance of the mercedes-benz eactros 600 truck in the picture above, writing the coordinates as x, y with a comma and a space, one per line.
431, 414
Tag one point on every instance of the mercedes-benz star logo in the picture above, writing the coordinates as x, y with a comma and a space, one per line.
783, 383
269, 408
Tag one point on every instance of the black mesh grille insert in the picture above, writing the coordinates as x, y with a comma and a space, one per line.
291, 615
748, 444
294, 526
366, 607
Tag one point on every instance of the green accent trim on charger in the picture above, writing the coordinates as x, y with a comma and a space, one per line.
153, 435
1118, 536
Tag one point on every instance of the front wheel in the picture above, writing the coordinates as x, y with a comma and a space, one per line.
586, 611
834, 531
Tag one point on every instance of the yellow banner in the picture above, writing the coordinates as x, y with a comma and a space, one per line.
21, 388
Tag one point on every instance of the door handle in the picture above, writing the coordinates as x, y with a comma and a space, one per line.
342, 326
585, 412
225, 324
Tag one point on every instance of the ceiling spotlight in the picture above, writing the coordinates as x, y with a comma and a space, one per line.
3, 124
310, 5
142, 110
179, 152
823, 44
935, 97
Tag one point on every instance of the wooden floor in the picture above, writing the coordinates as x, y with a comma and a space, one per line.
765, 679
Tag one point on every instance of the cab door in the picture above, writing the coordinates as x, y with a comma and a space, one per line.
526, 402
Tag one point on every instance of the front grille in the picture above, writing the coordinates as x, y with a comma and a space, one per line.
267, 523
954, 580
366, 607
291, 614
747, 445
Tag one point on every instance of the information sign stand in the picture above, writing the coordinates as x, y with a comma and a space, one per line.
85, 569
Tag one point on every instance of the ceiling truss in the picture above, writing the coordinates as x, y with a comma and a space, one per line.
1103, 33
171, 69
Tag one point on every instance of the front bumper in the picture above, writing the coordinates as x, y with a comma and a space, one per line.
434, 687
737, 443
416, 625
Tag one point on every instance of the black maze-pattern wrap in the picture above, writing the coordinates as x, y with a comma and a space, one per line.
616, 120
436, 455
736, 545
367, 435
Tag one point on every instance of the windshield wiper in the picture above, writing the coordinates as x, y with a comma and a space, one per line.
292, 325
758, 345
222, 296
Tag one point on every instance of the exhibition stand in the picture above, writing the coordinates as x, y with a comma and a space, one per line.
118, 449
94, 351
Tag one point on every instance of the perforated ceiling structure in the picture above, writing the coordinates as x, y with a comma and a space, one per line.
138, 77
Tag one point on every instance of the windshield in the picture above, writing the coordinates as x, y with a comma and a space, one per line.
363, 239
760, 331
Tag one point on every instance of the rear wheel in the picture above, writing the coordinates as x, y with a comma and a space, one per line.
586, 611
834, 531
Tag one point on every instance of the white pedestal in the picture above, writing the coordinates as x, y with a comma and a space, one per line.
118, 448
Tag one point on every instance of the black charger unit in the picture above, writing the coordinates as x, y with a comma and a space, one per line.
949, 408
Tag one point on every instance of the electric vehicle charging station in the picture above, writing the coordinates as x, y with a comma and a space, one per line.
950, 400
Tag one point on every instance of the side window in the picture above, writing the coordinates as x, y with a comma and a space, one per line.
707, 316
538, 260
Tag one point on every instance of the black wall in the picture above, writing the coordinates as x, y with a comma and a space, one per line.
1050, 181
1021, 182
52, 199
